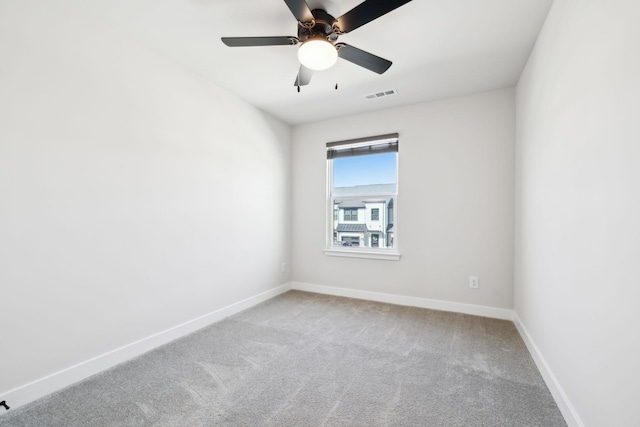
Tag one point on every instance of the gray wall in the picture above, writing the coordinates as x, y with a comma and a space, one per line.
578, 206
455, 201
134, 196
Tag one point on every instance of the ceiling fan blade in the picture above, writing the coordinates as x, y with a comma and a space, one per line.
362, 58
260, 41
304, 76
300, 10
366, 12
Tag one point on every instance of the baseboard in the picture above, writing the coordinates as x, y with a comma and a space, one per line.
568, 411
66, 377
565, 406
456, 307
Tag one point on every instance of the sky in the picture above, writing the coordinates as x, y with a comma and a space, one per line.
362, 170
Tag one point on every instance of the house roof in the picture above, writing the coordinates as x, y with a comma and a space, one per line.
349, 204
365, 190
352, 228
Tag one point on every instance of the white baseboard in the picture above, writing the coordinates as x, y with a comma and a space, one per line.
456, 307
66, 377
565, 406
567, 410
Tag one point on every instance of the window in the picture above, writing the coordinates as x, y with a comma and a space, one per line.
351, 214
362, 199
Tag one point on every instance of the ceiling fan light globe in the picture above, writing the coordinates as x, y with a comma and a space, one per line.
317, 54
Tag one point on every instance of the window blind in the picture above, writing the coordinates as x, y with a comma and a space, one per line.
363, 146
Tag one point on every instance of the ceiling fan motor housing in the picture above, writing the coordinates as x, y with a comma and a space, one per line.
322, 28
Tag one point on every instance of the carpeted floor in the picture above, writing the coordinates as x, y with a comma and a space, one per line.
304, 359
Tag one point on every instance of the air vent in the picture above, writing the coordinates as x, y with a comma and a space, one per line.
381, 94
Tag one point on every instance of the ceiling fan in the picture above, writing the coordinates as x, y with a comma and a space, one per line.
318, 33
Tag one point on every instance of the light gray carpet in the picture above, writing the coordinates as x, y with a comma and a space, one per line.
303, 359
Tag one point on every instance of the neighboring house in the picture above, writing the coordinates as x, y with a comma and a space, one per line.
365, 221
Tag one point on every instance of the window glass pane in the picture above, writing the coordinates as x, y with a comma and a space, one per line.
362, 175
350, 214
363, 192
351, 227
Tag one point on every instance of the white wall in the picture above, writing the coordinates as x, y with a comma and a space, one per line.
455, 201
132, 194
577, 287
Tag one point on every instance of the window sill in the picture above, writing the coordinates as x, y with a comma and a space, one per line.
359, 253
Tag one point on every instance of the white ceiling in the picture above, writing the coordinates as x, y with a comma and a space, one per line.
439, 48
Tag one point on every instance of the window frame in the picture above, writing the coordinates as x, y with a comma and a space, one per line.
352, 212
380, 252
377, 212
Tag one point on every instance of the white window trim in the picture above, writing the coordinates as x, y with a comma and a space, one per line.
369, 253
390, 254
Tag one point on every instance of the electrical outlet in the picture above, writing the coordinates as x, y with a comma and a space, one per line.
473, 282
283, 267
